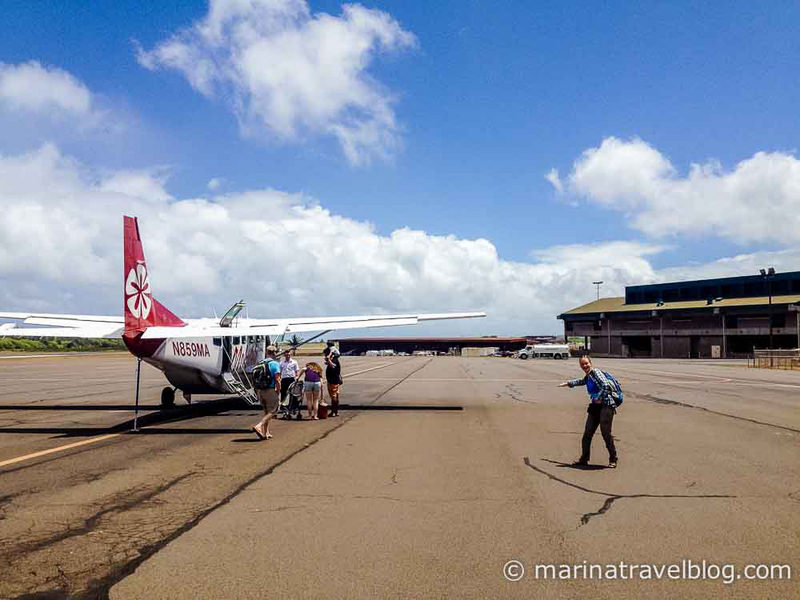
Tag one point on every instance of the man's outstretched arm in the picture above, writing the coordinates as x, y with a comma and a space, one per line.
573, 382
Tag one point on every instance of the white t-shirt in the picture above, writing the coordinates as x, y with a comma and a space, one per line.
289, 368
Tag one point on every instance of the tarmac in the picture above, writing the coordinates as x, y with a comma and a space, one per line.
437, 474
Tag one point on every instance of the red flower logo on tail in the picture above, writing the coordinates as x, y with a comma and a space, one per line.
137, 292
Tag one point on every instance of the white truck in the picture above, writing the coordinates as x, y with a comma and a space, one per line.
544, 350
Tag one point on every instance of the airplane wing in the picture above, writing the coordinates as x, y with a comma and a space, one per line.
94, 326
66, 326
275, 327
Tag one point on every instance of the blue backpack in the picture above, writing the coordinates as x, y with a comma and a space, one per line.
620, 397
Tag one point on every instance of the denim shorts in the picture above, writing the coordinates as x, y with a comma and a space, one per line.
312, 386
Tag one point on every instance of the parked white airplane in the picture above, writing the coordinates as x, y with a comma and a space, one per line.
197, 356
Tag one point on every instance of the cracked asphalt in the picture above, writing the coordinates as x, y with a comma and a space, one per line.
438, 473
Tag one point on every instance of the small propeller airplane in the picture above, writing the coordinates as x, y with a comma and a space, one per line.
197, 356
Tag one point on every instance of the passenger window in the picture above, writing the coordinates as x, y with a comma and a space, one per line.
217, 341
236, 341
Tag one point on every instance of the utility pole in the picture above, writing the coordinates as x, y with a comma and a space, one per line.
768, 275
598, 284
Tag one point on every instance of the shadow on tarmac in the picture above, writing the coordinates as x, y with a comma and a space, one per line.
156, 414
563, 465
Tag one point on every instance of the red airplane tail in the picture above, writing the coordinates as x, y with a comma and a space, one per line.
141, 309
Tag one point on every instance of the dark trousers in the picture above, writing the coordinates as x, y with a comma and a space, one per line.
604, 417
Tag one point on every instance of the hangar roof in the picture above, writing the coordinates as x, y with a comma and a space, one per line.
606, 305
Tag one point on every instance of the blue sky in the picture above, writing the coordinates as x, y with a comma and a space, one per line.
485, 100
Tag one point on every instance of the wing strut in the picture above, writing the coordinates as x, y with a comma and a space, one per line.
311, 339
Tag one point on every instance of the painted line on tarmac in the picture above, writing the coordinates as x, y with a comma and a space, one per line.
473, 381
13, 461
681, 378
376, 368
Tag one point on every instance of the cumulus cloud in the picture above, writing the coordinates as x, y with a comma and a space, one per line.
35, 89
292, 73
287, 255
734, 266
756, 201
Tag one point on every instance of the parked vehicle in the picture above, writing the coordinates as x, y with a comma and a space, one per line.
544, 351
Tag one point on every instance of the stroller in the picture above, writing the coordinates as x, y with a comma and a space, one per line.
291, 405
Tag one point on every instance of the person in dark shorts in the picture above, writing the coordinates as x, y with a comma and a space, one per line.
333, 375
289, 370
268, 393
601, 410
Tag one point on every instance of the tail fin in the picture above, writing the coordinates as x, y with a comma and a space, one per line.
141, 309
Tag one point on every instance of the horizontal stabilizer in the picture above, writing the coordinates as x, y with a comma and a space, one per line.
110, 330
76, 319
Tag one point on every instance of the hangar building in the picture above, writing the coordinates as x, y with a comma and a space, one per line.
438, 344
710, 318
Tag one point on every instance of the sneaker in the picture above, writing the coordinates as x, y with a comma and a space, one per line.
580, 463
612, 464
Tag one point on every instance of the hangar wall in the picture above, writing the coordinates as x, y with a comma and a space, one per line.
716, 327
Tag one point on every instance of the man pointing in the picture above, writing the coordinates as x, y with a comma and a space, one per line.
601, 410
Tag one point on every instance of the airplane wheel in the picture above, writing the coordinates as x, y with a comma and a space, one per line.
168, 397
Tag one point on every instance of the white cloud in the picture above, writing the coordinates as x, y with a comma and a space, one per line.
60, 250
734, 266
553, 177
757, 201
291, 73
214, 183
32, 88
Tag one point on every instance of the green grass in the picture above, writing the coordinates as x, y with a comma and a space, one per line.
58, 345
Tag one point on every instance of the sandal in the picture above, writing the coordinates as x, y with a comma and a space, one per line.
260, 435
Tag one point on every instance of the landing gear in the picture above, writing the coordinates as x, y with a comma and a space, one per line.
188, 397
167, 397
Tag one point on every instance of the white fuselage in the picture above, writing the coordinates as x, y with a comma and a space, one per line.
199, 365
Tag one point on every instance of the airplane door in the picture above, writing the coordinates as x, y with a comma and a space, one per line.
226, 354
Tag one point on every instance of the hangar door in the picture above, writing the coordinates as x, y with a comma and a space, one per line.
639, 346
